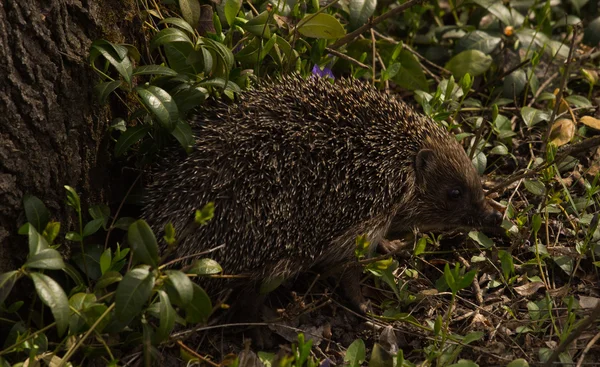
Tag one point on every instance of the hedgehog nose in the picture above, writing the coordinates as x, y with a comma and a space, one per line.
495, 218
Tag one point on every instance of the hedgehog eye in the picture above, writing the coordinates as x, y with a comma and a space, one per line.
454, 194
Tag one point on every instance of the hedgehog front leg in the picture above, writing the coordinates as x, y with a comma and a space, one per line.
350, 283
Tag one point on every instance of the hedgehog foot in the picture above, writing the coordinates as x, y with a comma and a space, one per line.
350, 283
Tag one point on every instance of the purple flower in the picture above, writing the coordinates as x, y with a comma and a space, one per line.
326, 72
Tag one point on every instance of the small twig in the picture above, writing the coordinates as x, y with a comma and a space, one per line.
180, 259
119, 210
587, 349
585, 323
195, 354
372, 23
346, 57
564, 153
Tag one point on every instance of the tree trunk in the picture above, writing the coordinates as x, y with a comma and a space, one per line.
52, 133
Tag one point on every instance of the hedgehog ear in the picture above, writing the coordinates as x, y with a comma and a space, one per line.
423, 160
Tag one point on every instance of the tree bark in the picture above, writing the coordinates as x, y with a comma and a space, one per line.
52, 133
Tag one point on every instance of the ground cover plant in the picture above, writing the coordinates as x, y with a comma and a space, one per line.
516, 82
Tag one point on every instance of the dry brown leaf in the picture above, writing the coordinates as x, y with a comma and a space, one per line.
590, 121
562, 132
588, 302
529, 288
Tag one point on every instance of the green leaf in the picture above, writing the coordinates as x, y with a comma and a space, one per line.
103, 90
231, 8
225, 54
472, 336
322, 26
182, 285
504, 14
167, 317
355, 354
520, 362
160, 104
360, 11
532, 116
36, 212
178, 22
380, 357
190, 11
46, 259
73, 199
132, 293
535, 187
421, 246
154, 70
169, 36
411, 75
204, 215
200, 308
514, 84
478, 40
7, 282
258, 25
481, 239
92, 226
108, 278
473, 62
116, 55
466, 279
36, 241
205, 267
105, 260
130, 137
578, 101
184, 135
143, 243
53, 296
464, 363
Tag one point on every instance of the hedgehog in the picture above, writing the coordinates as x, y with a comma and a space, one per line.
297, 169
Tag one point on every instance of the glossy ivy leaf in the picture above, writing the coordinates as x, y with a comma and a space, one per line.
36, 241
130, 137
36, 212
53, 296
143, 243
231, 8
169, 36
160, 104
205, 267
258, 25
167, 317
7, 282
180, 23
473, 62
200, 308
360, 11
180, 286
92, 226
103, 90
115, 54
132, 293
184, 135
46, 259
322, 26
190, 11
154, 70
